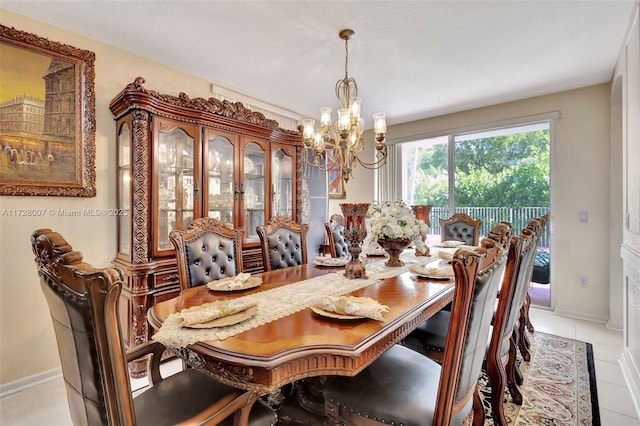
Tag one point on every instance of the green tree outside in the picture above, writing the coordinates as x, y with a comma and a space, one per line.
500, 171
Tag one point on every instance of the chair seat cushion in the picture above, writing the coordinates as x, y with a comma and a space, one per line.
400, 387
431, 335
185, 394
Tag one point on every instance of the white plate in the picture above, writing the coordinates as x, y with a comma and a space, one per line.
376, 252
431, 274
224, 283
334, 315
228, 320
449, 244
330, 261
446, 255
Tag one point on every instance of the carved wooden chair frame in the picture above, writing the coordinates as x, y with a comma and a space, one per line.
274, 224
197, 229
330, 228
464, 218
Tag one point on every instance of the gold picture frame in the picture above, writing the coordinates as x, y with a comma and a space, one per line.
47, 117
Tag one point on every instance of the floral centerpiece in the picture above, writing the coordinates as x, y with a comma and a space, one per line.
394, 220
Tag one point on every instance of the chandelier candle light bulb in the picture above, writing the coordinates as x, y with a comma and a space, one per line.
380, 123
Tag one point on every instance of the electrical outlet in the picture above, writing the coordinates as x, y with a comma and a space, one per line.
583, 282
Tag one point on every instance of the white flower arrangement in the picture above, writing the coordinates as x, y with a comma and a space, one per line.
394, 219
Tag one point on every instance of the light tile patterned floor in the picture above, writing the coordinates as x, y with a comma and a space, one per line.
616, 407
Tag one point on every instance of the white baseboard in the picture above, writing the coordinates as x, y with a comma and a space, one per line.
632, 377
615, 326
583, 316
30, 381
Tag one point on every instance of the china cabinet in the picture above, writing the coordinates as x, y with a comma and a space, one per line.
180, 159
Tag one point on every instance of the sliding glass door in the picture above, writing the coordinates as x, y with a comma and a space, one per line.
493, 175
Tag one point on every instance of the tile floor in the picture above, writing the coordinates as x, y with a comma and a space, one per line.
616, 406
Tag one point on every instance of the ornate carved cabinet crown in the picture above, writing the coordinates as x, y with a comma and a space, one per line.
180, 159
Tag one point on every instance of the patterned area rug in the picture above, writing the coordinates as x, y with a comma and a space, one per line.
559, 385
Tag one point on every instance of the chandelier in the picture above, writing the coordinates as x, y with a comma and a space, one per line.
338, 142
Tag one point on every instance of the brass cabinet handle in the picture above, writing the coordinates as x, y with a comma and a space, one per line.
170, 278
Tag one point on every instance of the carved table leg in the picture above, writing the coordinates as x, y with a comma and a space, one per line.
309, 394
303, 403
140, 333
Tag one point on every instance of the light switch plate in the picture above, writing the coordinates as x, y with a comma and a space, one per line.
583, 217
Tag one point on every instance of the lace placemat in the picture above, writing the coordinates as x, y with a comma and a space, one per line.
377, 270
272, 304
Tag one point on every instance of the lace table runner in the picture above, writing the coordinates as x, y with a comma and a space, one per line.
272, 304
378, 270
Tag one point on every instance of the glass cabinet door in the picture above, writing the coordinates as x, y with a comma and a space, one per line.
177, 183
221, 181
253, 189
124, 190
281, 181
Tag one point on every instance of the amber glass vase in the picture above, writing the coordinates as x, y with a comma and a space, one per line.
394, 248
422, 213
354, 232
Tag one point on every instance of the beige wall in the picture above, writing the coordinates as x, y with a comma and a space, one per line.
27, 341
580, 181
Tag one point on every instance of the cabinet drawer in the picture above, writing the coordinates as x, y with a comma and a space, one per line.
164, 295
166, 279
252, 261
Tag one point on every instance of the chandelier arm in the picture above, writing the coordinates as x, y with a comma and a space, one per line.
329, 161
376, 164
323, 167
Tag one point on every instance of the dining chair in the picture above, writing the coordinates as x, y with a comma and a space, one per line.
338, 246
405, 387
284, 243
500, 362
543, 223
535, 226
84, 306
461, 227
207, 250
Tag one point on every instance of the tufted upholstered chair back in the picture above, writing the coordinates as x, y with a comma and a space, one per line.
284, 243
207, 250
335, 235
461, 227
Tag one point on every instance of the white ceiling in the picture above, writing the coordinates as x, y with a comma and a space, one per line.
411, 59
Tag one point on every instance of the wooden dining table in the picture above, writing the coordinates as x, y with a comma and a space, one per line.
305, 344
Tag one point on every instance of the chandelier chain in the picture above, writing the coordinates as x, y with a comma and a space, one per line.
346, 59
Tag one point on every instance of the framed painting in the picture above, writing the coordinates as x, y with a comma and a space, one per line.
47, 117
336, 183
